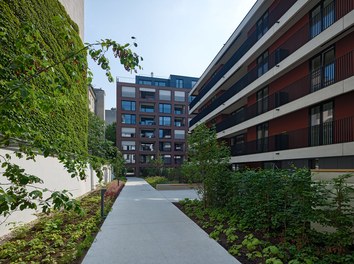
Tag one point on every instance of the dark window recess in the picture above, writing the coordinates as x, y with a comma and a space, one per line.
262, 25
322, 69
280, 54
262, 100
281, 98
321, 17
282, 141
262, 137
262, 64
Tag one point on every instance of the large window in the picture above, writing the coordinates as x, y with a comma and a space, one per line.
147, 133
322, 70
262, 101
262, 137
128, 105
178, 159
128, 132
180, 134
180, 96
147, 120
179, 122
262, 64
128, 119
146, 158
322, 16
179, 83
128, 145
129, 158
262, 25
128, 91
165, 95
164, 120
165, 108
147, 146
145, 82
166, 159
165, 133
321, 129
179, 146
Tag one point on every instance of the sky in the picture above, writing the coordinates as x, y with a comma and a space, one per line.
178, 37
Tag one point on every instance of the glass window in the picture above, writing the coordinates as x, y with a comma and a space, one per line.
146, 158
191, 98
178, 159
262, 25
128, 145
147, 93
160, 83
322, 70
321, 117
147, 120
147, 108
179, 146
128, 132
322, 16
193, 83
179, 83
179, 122
147, 133
164, 120
180, 134
262, 64
179, 109
129, 158
128, 119
165, 108
128, 105
128, 91
165, 146
164, 133
147, 146
179, 96
262, 101
145, 82
165, 95
166, 159
262, 137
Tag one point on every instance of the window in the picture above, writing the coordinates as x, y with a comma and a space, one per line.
147, 108
128, 145
160, 83
179, 109
262, 64
164, 120
178, 159
262, 25
322, 70
128, 105
165, 108
129, 158
179, 146
146, 158
193, 83
166, 159
179, 96
128, 132
165, 133
179, 83
128, 119
262, 101
179, 122
128, 92
191, 98
146, 146
262, 137
321, 17
147, 93
165, 146
180, 134
147, 133
238, 144
147, 120
165, 95
321, 130
145, 82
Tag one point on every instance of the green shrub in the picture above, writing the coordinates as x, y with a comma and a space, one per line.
156, 180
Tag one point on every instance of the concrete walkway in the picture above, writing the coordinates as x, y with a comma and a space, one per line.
145, 228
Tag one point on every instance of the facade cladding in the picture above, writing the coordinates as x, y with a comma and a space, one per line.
152, 121
281, 90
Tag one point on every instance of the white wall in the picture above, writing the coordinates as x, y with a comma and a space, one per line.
75, 9
54, 177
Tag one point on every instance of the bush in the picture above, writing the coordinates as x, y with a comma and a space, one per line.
156, 180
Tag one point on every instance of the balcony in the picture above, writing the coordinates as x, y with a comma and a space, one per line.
293, 43
336, 71
334, 132
252, 39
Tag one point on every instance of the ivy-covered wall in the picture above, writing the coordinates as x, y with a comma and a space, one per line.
53, 102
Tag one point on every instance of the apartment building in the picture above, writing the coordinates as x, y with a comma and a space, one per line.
152, 121
281, 90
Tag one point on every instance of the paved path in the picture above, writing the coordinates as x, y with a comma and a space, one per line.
145, 228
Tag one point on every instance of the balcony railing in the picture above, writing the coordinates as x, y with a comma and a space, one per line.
334, 132
293, 43
336, 71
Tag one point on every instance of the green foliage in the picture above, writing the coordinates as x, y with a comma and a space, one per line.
110, 133
154, 180
62, 237
207, 164
43, 97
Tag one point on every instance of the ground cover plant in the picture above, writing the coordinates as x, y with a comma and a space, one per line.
63, 236
269, 216
154, 180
